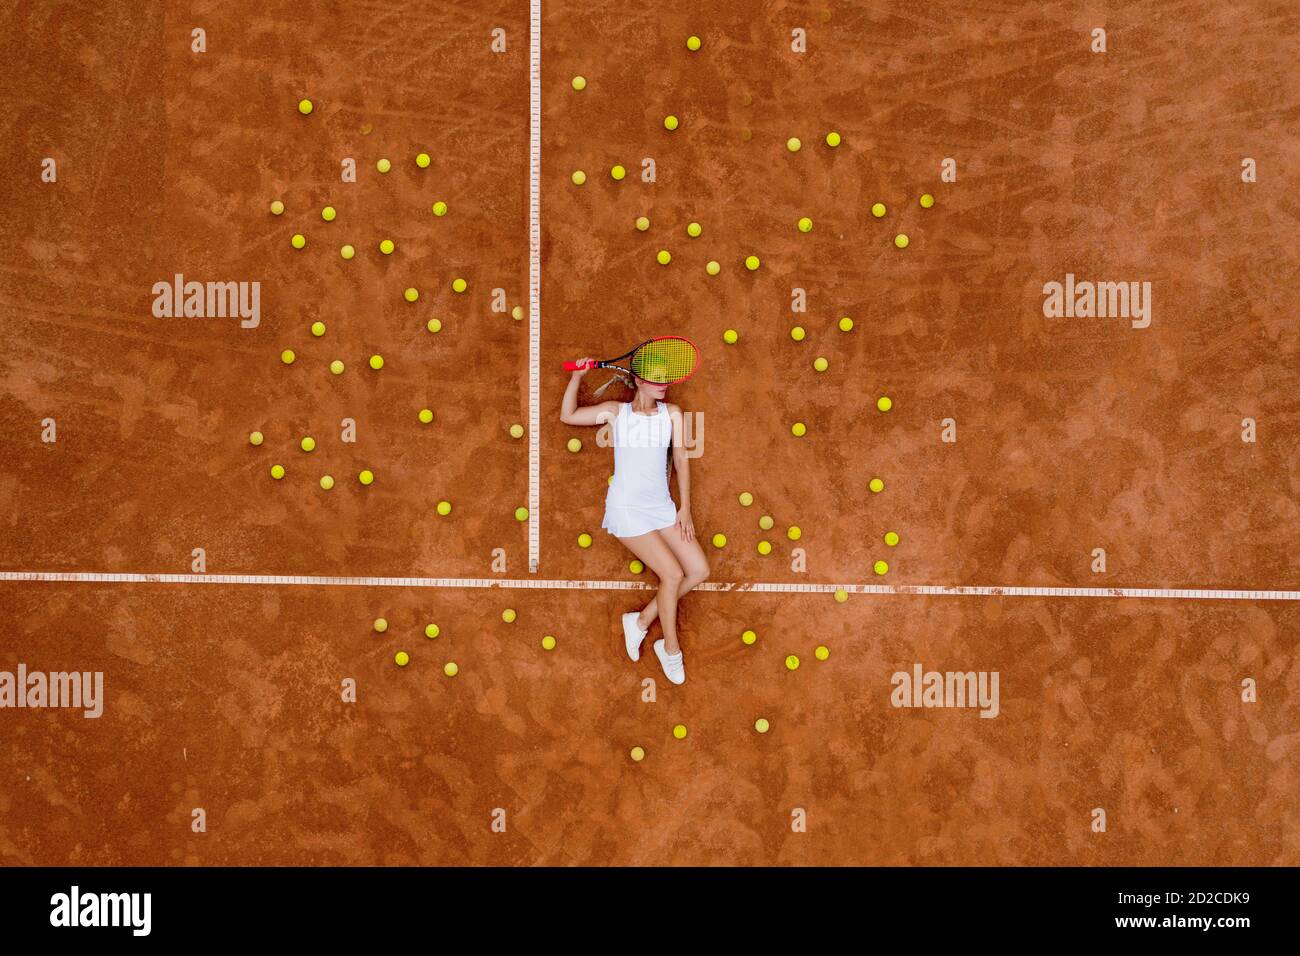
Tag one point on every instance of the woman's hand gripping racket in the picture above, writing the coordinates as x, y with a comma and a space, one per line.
666, 360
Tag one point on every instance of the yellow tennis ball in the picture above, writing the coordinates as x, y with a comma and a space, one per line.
766, 522
793, 144
748, 637
579, 83
891, 538
509, 615
878, 209
730, 336
637, 754
820, 364
670, 122
765, 547
277, 207
386, 246
841, 595
713, 267
792, 662
516, 431
884, 403
367, 477
298, 240
694, 229
822, 652
548, 643
617, 173
459, 285
746, 499
794, 533
761, 725
880, 567
876, 485
692, 43
450, 669
574, 445
521, 514
255, 438
401, 658
846, 324
444, 508
287, 356
422, 160
381, 625
610, 480
642, 223
664, 257
347, 252
277, 472
434, 325
376, 362
584, 540
636, 567
307, 444
927, 201
805, 224
578, 177
719, 540
798, 429
752, 263
900, 241
318, 329
797, 333
305, 107
680, 731
426, 415
411, 294
328, 213
833, 139
336, 367
439, 208
432, 630
327, 482
383, 165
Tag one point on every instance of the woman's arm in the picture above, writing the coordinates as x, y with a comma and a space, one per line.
681, 462
571, 414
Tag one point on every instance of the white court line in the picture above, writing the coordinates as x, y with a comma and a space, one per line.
301, 580
534, 285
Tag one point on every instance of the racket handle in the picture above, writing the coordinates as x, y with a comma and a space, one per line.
578, 366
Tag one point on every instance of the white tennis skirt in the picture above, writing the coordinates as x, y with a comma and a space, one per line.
628, 521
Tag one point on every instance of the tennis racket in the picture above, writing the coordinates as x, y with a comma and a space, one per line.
665, 360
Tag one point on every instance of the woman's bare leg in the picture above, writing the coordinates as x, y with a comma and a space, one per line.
659, 558
695, 567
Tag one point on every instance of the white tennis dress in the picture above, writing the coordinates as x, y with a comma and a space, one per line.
638, 500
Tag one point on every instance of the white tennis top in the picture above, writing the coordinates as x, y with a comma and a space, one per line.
638, 499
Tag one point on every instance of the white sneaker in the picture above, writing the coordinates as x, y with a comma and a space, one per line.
672, 664
633, 635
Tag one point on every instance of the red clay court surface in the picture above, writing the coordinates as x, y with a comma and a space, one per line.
1073, 434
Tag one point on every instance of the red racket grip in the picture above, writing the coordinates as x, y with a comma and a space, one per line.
578, 366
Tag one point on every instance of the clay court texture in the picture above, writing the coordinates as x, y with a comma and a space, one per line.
222, 686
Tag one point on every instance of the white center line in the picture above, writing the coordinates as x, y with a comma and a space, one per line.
937, 590
534, 286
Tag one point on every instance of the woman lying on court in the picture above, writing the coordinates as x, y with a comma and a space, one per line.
639, 510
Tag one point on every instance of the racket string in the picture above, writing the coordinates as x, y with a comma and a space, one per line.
665, 360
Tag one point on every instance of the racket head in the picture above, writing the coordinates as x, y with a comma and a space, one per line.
665, 360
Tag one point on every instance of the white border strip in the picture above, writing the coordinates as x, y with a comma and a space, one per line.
534, 285
300, 580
